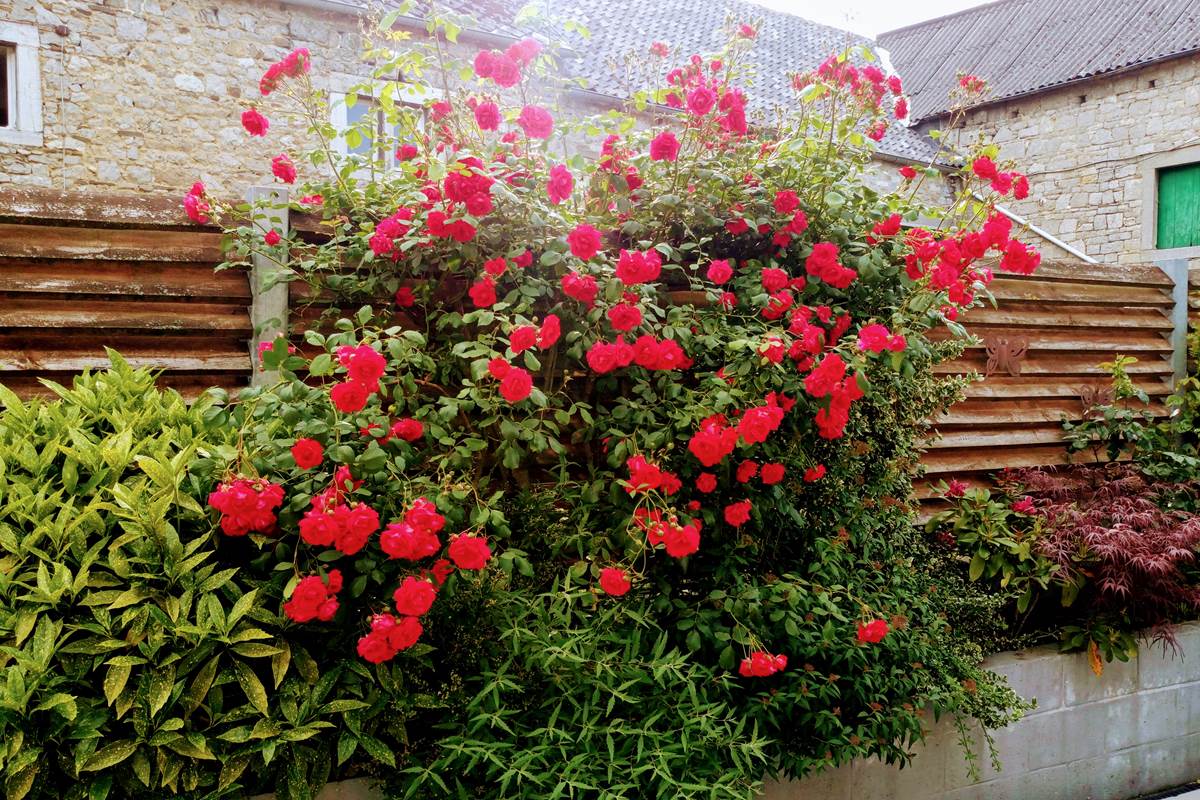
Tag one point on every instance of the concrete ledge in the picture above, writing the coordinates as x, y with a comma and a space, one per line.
1132, 731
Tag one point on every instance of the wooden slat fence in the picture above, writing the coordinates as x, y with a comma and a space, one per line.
1071, 317
80, 272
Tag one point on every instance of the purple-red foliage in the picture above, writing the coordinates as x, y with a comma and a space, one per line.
1107, 524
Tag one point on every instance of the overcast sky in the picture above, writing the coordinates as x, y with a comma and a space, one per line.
868, 17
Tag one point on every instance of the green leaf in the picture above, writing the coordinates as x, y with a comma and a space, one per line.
252, 686
114, 682
377, 749
109, 756
322, 364
231, 770
975, 570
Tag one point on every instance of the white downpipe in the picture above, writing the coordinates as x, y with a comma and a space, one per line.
1017, 218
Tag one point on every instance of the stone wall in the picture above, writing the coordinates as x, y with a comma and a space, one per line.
145, 96
1090, 151
1134, 730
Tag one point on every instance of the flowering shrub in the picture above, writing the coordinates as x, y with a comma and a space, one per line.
613, 457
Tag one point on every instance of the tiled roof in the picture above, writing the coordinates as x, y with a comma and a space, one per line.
1025, 46
786, 44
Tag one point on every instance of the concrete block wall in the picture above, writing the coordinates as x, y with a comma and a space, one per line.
1134, 730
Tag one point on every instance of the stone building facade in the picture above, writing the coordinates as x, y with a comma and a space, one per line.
145, 96
1094, 99
1093, 152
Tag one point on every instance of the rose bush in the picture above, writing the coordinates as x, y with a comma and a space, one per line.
603, 473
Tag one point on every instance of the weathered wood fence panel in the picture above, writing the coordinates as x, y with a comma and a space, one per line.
1040, 355
78, 273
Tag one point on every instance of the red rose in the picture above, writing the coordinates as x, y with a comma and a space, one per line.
873, 632
786, 201
405, 297
406, 152
375, 649
487, 116
701, 100
814, 474
516, 385
719, 271
255, 123
634, 267
349, 396
664, 147
624, 317
406, 541
907, 172
774, 279
604, 357
408, 429
1020, 187
758, 422
746, 470
536, 122
272, 238
584, 241
614, 581
761, 664
283, 168
681, 542
738, 514
523, 338
307, 453
470, 552
549, 333
561, 182
707, 482
984, 168
483, 293
772, 473
580, 287
712, 442
414, 597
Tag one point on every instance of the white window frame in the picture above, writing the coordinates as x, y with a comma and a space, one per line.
1148, 172
410, 94
25, 84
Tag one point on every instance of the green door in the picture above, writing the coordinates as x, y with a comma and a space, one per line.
1178, 207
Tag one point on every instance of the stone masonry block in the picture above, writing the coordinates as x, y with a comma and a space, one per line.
1034, 674
1083, 686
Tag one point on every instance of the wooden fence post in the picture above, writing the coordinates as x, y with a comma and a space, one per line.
269, 303
1177, 268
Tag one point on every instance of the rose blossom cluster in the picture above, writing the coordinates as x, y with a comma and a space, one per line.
761, 664
364, 366
389, 635
247, 505
293, 65
314, 598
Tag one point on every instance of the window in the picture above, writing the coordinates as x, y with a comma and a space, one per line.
364, 122
20, 85
8, 55
1178, 223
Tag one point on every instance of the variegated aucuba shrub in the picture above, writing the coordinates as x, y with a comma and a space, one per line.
605, 466
137, 657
